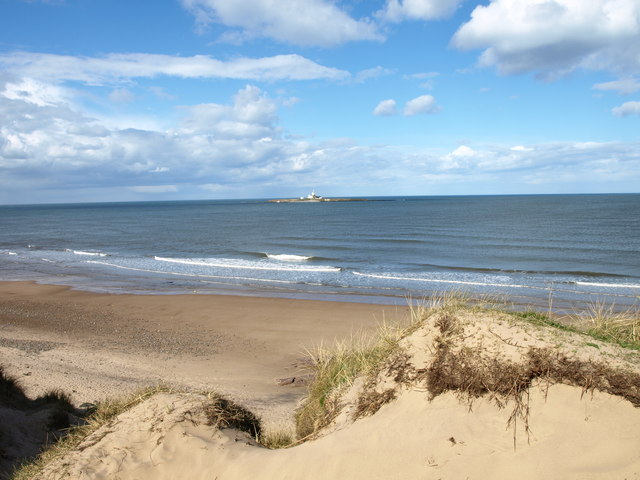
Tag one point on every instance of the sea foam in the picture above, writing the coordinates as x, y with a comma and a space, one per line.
284, 257
608, 285
438, 280
245, 265
91, 254
195, 275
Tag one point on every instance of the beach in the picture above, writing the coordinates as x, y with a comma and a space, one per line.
95, 346
462, 392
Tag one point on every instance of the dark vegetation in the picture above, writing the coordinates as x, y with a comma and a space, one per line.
29, 425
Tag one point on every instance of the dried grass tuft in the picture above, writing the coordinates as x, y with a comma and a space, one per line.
223, 413
278, 436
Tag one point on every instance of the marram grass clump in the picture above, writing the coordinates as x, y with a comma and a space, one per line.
622, 327
336, 368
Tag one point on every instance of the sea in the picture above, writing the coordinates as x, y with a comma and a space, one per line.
545, 251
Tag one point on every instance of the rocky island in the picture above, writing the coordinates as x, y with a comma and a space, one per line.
312, 197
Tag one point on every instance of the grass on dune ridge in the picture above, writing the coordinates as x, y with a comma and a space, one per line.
337, 368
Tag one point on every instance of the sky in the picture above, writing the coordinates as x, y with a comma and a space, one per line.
119, 100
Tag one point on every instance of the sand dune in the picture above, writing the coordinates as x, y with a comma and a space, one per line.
438, 407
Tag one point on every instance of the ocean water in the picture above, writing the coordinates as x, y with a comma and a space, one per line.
568, 248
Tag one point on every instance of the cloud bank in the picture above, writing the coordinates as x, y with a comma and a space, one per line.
238, 149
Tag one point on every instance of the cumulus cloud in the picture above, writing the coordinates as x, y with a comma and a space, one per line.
554, 37
386, 108
252, 115
462, 158
301, 22
399, 10
626, 109
118, 67
51, 144
420, 105
624, 86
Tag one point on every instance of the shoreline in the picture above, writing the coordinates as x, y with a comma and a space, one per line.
97, 345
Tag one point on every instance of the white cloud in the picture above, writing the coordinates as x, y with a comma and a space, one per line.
252, 115
421, 104
301, 22
398, 10
118, 67
624, 86
461, 158
553, 37
626, 109
386, 108
35, 92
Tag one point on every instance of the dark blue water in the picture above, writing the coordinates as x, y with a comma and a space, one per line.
573, 248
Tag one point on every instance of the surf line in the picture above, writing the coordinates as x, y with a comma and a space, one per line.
248, 267
188, 274
607, 285
457, 282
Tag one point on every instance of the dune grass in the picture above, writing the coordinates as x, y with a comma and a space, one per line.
621, 327
282, 435
467, 372
335, 368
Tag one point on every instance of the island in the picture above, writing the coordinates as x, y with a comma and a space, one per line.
312, 198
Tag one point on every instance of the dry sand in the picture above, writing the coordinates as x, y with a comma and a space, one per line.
96, 346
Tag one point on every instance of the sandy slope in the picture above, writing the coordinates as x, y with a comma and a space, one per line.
574, 433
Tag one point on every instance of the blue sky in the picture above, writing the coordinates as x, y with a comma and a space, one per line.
113, 100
